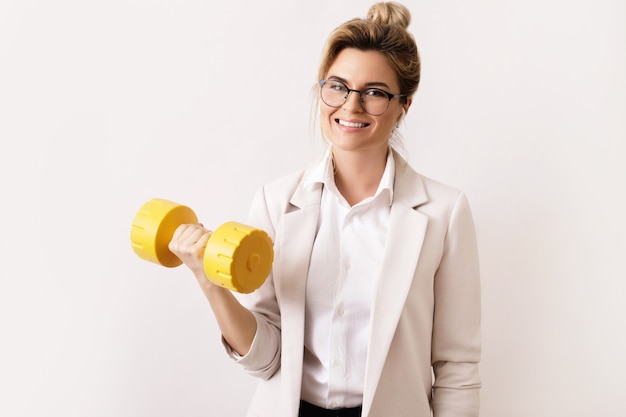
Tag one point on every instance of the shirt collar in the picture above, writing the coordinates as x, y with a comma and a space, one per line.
322, 173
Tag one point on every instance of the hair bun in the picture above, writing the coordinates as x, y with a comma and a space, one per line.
390, 13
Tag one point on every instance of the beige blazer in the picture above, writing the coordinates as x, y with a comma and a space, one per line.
424, 347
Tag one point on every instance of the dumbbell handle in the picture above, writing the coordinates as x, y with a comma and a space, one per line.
237, 256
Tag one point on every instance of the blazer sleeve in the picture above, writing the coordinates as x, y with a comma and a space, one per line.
456, 340
263, 359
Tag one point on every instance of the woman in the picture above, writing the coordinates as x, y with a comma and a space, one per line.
375, 285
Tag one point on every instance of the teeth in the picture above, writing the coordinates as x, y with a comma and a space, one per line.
350, 124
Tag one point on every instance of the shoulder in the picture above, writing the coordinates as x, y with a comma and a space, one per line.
273, 199
420, 189
286, 184
438, 190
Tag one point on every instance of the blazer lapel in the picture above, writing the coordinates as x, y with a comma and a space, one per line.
405, 236
294, 252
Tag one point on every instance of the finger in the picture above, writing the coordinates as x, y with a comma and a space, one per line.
204, 238
185, 231
180, 231
197, 243
189, 238
195, 236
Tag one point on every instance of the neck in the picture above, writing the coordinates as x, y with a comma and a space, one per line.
357, 174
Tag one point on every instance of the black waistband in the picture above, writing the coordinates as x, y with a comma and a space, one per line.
310, 410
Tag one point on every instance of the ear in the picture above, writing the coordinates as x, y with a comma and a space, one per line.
405, 108
409, 101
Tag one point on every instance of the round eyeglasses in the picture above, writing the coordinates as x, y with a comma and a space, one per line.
374, 101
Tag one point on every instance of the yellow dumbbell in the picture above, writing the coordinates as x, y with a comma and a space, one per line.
237, 256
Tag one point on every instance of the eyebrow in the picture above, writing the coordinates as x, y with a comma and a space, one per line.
367, 85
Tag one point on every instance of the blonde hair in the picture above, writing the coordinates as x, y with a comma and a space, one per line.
385, 31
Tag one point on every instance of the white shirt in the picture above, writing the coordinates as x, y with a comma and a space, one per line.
346, 257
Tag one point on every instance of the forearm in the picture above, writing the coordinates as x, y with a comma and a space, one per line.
237, 323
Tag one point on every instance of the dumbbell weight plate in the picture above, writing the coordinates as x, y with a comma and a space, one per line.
238, 257
153, 228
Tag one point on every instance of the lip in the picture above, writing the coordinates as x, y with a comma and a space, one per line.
351, 124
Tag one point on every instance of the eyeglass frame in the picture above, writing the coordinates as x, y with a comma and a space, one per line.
390, 96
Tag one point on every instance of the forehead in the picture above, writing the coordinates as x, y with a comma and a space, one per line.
360, 68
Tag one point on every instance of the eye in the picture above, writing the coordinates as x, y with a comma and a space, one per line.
335, 86
375, 93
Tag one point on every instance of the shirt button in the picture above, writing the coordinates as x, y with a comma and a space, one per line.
341, 311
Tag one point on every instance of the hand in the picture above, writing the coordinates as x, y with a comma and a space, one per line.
188, 244
237, 324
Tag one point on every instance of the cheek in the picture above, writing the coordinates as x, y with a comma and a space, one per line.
326, 111
391, 120
326, 116
384, 127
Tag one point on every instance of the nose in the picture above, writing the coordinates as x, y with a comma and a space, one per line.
353, 101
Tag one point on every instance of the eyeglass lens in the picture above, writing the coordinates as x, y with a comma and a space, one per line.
373, 100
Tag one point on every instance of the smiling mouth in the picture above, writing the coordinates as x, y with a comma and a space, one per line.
351, 124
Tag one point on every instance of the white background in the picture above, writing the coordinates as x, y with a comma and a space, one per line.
106, 104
